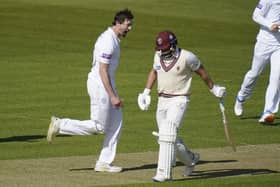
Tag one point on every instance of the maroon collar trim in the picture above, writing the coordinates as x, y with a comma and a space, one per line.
170, 66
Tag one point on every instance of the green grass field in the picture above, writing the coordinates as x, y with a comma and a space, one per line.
46, 53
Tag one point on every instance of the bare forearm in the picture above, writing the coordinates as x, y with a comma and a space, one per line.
151, 79
205, 77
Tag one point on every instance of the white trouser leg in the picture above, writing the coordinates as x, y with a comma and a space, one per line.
111, 118
169, 111
260, 60
112, 135
273, 89
77, 127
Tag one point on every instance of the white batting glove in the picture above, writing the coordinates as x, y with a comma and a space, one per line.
144, 99
218, 91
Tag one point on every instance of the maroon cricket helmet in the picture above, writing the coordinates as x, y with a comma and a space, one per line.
165, 40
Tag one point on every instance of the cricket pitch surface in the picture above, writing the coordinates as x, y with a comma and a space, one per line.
138, 167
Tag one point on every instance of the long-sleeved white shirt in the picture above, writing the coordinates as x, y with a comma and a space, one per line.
266, 13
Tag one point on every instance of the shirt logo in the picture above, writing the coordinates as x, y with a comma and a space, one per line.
157, 68
107, 56
259, 6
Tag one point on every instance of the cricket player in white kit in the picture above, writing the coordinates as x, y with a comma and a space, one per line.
267, 50
105, 104
173, 69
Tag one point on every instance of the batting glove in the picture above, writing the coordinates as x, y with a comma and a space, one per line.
144, 99
218, 91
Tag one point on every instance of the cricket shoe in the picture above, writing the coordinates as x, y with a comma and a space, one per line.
53, 129
105, 167
189, 169
238, 107
160, 178
267, 118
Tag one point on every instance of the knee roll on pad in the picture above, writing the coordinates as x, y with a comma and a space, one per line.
168, 133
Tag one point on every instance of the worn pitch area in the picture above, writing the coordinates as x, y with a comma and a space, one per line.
138, 167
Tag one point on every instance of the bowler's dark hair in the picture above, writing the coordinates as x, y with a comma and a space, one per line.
122, 15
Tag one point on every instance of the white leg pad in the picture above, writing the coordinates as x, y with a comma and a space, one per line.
167, 137
183, 153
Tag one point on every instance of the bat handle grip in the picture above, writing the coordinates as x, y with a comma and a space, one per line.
221, 104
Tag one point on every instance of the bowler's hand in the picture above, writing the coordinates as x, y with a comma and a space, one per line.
116, 102
275, 28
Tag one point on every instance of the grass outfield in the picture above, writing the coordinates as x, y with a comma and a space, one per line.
46, 53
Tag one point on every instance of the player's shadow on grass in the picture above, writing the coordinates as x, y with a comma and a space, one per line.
26, 138
153, 166
258, 117
226, 173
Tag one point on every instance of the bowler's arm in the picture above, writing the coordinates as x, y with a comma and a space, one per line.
105, 77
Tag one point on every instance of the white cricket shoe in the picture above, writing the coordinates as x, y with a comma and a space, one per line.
189, 169
160, 178
267, 118
53, 129
105, 167
238, 107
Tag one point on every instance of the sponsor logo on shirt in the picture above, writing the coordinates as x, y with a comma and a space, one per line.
107, 56
157, 68
259, 6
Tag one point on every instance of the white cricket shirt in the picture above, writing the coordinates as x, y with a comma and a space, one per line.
106, 50
175, 78
266, 13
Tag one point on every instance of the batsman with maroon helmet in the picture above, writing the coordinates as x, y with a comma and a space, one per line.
173, 68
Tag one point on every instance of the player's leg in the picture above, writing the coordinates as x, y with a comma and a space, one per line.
272, 92
260, 60
112, 135
166, 140
99, 105
186, 156
176, 114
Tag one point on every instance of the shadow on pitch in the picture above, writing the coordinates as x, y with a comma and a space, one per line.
82, 169
206, 174
154, 166
258, 117
226, 173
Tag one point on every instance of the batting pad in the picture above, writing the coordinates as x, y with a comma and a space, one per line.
182, 152
167, 137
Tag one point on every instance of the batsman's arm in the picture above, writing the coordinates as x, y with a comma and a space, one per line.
204, 75
144, 98
152, 77
216, 90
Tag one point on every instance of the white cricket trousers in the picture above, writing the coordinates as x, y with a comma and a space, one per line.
104, 119
172, 110
264, 54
